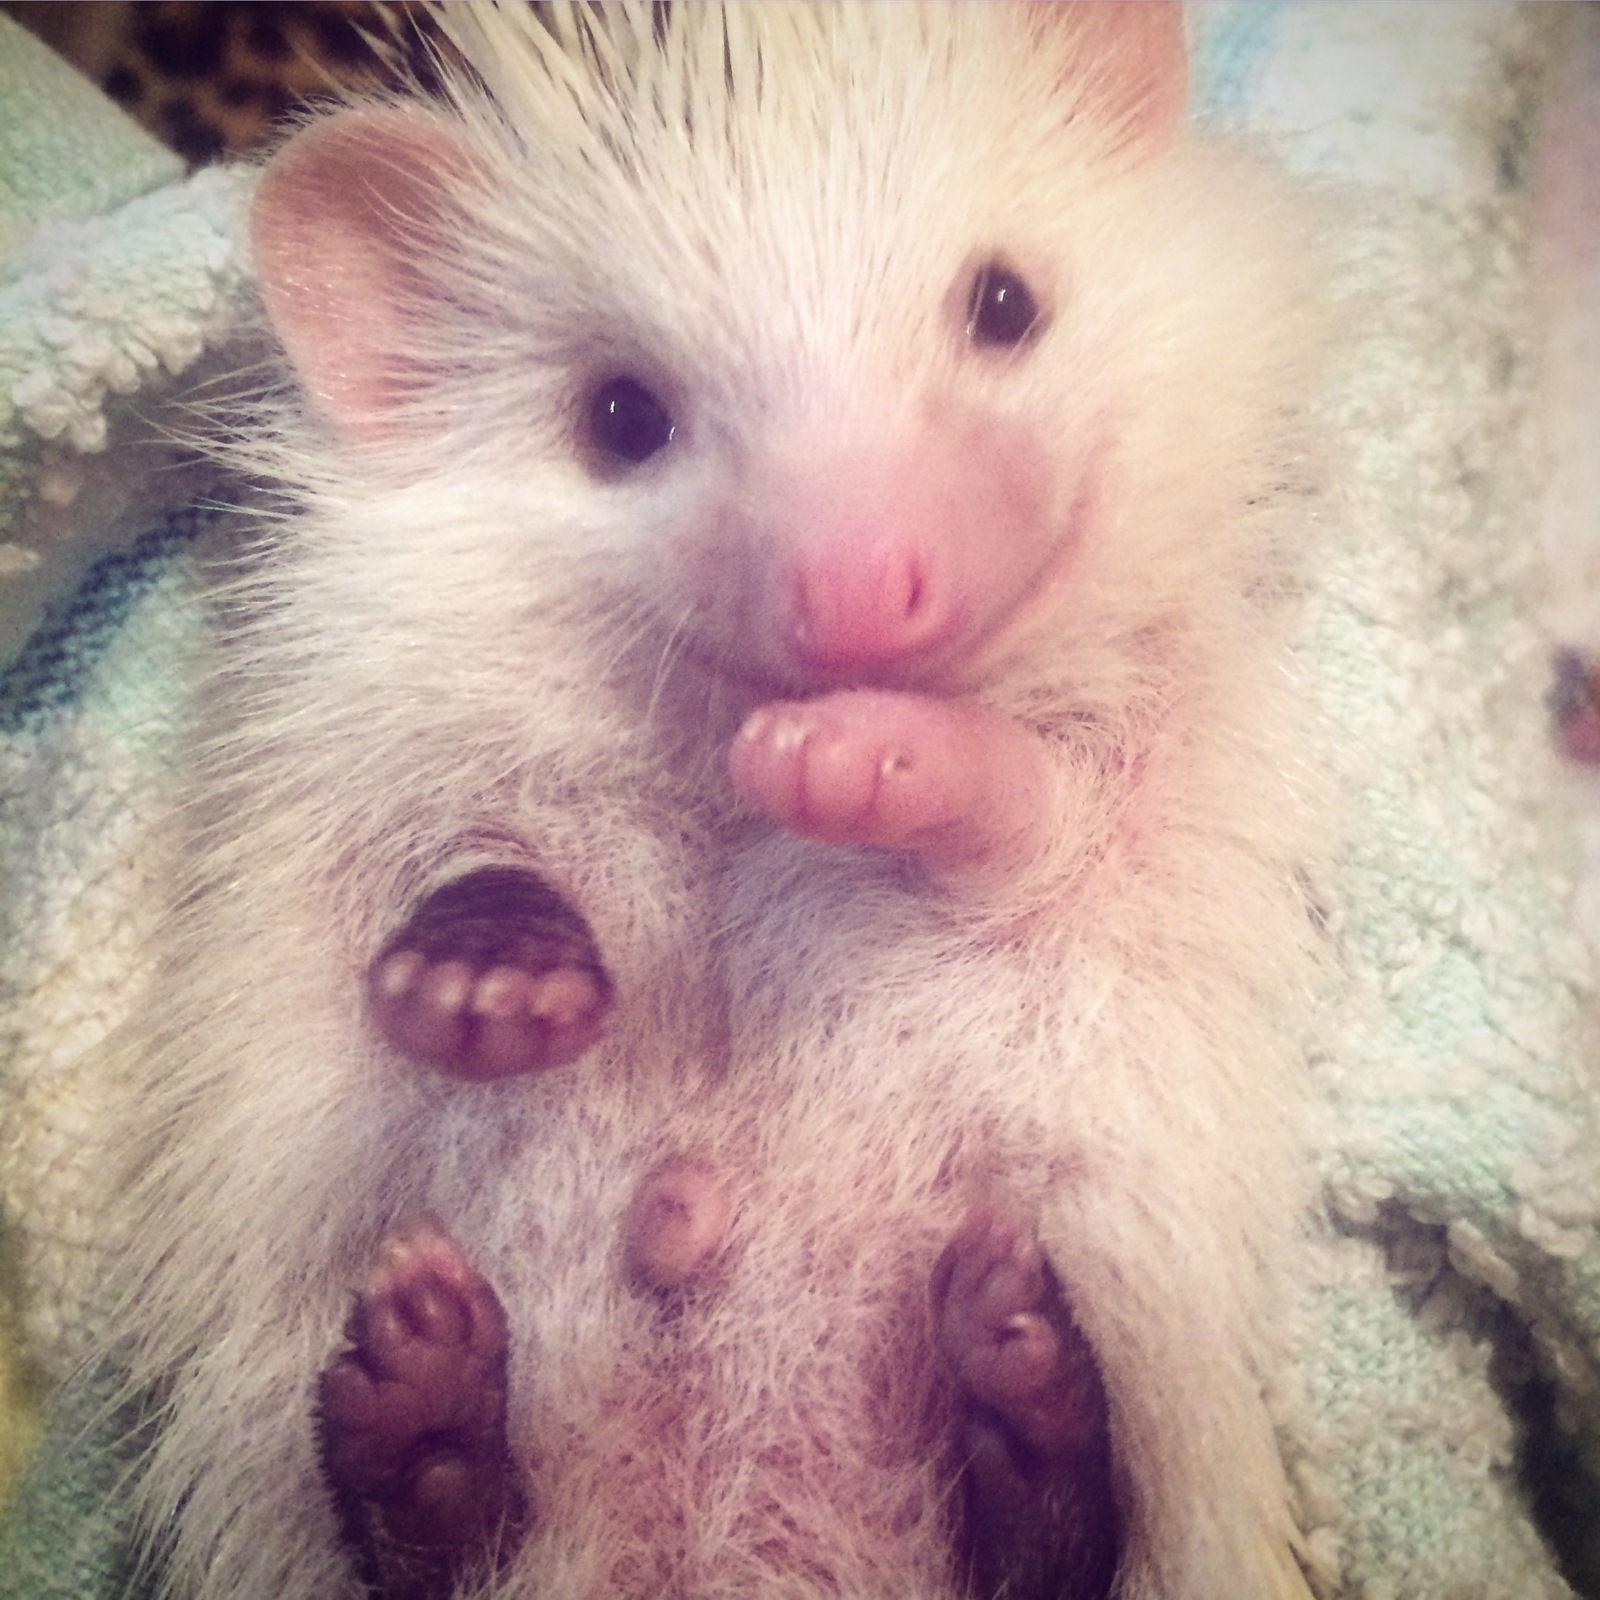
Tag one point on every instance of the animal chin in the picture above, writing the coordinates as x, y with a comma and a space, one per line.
752, 658
761, 678
944, 668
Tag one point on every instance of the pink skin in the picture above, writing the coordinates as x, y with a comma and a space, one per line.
852, 609
676, 1225
891, 574
1580, 736
889, 558
955, 783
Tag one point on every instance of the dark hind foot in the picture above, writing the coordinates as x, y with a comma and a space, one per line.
412, 1422
1041, 1517
494, 974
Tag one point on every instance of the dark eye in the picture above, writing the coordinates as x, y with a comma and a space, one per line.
626, 423
1001, 310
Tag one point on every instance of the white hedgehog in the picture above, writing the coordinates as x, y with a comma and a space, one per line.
740, 891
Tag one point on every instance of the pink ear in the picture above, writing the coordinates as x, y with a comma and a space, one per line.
1132, 58
340, 220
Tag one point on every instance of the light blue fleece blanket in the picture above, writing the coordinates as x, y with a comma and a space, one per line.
1455, 1294
1444, 1375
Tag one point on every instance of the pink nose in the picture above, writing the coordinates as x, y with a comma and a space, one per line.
856, 608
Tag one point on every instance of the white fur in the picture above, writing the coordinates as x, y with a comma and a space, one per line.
468, 650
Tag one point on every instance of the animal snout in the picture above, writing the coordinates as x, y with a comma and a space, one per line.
853, 610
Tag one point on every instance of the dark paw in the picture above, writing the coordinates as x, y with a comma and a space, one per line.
412, 1422
494, 974
1041, 1516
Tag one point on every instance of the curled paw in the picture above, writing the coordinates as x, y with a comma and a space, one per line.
411, 1419
493, 974
952, 781
1041, 1514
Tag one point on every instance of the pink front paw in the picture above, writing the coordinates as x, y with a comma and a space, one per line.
954, 782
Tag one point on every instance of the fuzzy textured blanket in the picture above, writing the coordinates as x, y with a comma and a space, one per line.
1440, 1404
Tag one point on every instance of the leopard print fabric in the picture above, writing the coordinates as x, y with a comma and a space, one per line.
214, 78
